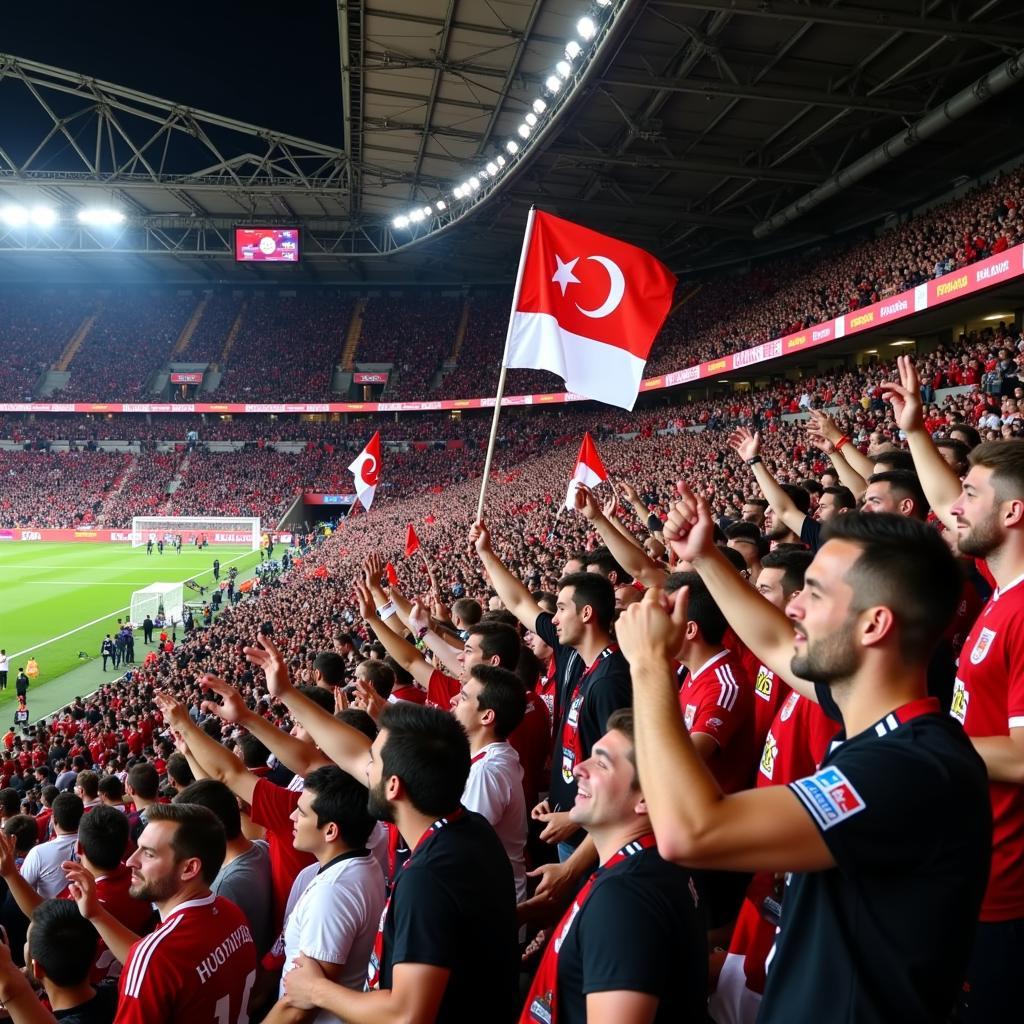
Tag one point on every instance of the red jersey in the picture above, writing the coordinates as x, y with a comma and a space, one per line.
198, 966
717, 700
136, 915
272, 807
988, 700
440, 690
546, 687
531, 740
797, 741
769, 693
413, 694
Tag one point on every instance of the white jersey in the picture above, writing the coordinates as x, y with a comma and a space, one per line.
494, 789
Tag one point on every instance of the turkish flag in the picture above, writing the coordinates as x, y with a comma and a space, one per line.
589, 309
389, 571
589, 469
412, 542
366, 470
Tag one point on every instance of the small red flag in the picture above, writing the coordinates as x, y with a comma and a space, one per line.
412, 542
392, 576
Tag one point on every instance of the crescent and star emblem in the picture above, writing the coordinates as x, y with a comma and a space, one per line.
564, 277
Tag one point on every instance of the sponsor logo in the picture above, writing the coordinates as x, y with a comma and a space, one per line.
790, 706
651, 383
821, 333
830, 797
31, 535
682, 376
120, 535
717, 366
961, 698
992, 270
798, 341
892, 308
370, 378
85, 533
768, 755
763, 683
982, 646
863, 319
949, 287
688, 715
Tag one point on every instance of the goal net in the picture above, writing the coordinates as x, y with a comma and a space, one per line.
157, 598
214, 529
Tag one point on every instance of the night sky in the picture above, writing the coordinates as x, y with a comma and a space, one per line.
271, 64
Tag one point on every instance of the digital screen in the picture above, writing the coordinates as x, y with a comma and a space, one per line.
266, 245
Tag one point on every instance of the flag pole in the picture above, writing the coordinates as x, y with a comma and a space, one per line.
504, 367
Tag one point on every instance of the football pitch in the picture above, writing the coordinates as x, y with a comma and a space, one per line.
57, 600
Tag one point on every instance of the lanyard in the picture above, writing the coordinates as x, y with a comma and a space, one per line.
572, 749
373, 969
541, 1005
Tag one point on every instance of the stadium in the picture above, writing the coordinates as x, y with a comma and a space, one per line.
425, 425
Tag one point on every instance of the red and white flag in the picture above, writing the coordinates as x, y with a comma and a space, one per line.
589, 309
366, 470
589, 469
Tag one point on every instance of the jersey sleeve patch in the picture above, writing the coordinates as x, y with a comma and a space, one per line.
829, 796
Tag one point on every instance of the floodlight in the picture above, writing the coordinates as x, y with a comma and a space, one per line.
492, 167
14, 216
539, 106
43, 216
604, 3
500, 161
553, 83
531, 119
416, 216
524, 131
572, 49
440, 205
400, 222
563, 69
100, 216
512, 146
586, 29
427, 211
474, 183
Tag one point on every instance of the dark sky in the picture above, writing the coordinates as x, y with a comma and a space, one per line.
271, 64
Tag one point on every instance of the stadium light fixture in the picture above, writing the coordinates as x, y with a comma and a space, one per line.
500, 160
512, 146
539, 106
400, 222
553, 83
572, 49
563, 69
474, 183
43, 216
14, 216
524, 131
427, 211
586, 29
492, 168
100, 217
440, 205
531, 119
604, 3
416, 216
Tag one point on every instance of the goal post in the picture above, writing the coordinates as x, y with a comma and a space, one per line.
216, 529
158, 597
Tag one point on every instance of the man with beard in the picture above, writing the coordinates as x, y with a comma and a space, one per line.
200, 963
446, 949
889, 841
986, 515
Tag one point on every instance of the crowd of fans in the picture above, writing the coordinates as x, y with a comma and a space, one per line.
211, 334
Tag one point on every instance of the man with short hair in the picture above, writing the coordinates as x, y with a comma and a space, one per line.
632, 947
87, 786
61, 952
897, 491
446, 946
143, 787
244, 877
42, 869
887, 878
200, 963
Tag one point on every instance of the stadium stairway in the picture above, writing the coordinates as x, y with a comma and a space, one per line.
460, 332
190, 328
352, 336
72, 347
229, 341
112, 495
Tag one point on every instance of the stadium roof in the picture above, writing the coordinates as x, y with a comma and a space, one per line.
692, 124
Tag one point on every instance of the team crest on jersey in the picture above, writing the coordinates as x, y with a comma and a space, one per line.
790, 706
688, 715
829, 796
764, 682
982, 645
961, 698
771, 749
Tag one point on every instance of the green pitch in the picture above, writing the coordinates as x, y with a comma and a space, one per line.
59, 599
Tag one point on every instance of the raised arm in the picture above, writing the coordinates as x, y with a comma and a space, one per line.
759, 624
748, 446
216, 760
420, 623
348, 748
397, 646
82, 887
632, 558
859, 467
938, 479
514, 595
24, 895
